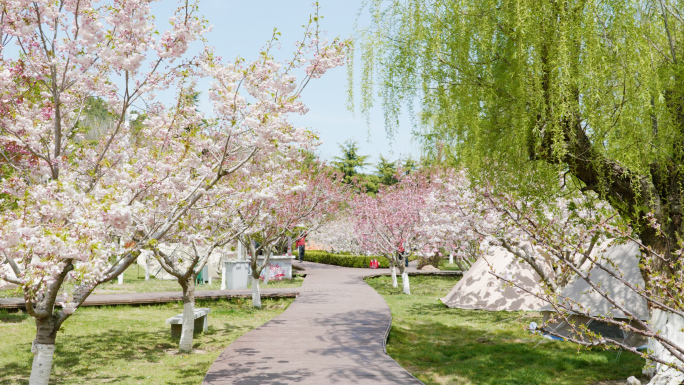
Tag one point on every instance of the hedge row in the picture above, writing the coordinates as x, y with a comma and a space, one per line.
344, 259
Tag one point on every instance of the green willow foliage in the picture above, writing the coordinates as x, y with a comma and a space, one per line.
500, 82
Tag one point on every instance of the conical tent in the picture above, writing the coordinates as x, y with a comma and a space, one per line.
480, 289
626, 258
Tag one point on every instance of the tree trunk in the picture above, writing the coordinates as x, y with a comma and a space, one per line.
394, 274
461, 265
670, 326
267, 274
451, 259
188, 329
404, 279
43, 349
256, 295
147, 268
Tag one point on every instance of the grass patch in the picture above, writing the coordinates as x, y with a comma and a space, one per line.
129, 345
439, 345
445, 265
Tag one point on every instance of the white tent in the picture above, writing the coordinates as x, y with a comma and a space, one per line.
579, 295
482, 290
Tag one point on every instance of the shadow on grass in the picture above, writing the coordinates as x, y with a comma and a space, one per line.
6, 317
439, 353
455, 346
99, 349
433, 350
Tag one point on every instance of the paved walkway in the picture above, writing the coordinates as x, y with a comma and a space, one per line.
333, 333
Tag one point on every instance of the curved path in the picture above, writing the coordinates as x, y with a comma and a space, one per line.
333, 333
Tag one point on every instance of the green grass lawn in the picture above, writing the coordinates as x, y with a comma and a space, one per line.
134, 282
445, 265
129, 345
439, 345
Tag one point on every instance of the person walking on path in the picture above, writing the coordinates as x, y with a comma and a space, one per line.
401, 252
301, 243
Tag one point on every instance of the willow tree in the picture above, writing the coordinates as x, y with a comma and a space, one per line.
527, 88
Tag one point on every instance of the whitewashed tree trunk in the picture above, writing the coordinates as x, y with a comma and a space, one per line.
405, 283
670, 326
147, 268
43, 349
188, 316
394, 275
451, 258
404, 280
256, 295
120, 278
42, 363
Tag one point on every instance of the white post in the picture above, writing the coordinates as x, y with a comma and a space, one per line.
223, 273
451, 258
239, 250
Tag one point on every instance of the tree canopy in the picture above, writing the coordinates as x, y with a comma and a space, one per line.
519, 91
350, 160
386, 171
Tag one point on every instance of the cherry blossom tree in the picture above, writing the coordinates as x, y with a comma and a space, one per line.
252, 101
461, 213
187, 249
70, 216
446, 225
566, 239
82, 211
389, 223
577, 239
338, 235
300, 199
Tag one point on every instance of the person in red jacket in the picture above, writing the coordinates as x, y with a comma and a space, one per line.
301, 243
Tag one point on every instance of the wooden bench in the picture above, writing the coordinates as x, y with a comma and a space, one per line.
201, 322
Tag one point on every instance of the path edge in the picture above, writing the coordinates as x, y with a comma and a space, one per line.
387, 331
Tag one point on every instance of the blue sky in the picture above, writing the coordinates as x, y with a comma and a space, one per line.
242, 27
